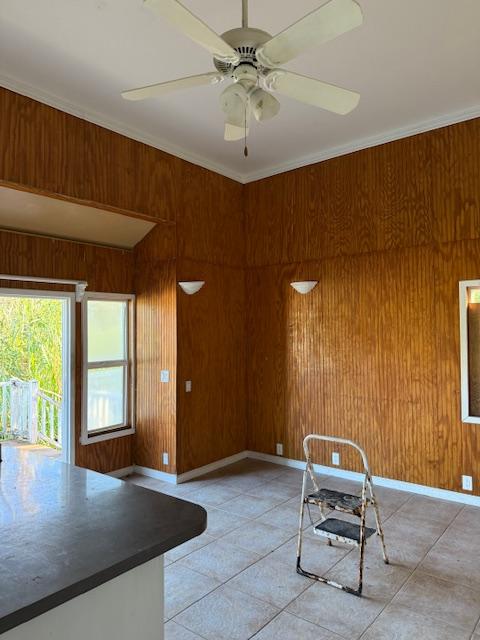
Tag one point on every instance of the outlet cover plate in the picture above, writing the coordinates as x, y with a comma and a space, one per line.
335, 458
467, 483
165, 458
279, 449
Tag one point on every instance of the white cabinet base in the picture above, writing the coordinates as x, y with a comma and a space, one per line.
129, 606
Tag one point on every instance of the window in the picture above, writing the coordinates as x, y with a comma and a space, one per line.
107, 333
470, 349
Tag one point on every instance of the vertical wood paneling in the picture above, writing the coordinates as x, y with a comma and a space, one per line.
105, 270
211, 353
372, 353
156, 322
49, 151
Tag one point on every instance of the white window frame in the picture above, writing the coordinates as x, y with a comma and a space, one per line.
464, 287
116, 431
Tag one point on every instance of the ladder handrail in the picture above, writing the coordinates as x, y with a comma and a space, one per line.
316, 436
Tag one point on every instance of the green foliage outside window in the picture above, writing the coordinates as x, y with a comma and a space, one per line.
31, 341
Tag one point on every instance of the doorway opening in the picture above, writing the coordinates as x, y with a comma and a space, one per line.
36, 370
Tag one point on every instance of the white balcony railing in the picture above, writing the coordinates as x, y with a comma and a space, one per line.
30, 413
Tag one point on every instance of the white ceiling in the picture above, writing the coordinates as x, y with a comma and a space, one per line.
25, 211
415, 63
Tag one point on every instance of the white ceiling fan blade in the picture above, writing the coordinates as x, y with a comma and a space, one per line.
323, 24
232, 132
194, 28
162, 88
311, 91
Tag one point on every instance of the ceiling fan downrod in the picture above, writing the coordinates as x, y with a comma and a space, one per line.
245, 14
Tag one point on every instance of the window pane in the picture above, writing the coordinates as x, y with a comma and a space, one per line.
106, 330
105, 398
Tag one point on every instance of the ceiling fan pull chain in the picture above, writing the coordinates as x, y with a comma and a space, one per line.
245, 149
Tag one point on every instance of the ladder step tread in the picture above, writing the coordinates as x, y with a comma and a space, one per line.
337, 500
342, 528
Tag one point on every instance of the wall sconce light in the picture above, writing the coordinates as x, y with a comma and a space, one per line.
305, 286
192, 286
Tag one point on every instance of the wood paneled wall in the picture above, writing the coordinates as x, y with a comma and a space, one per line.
200, 216
105, 270
372, 353
156, 324
199, 338
211, 353
51, 152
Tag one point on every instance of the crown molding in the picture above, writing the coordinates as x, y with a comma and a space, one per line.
365, 143
103, 121
244, 178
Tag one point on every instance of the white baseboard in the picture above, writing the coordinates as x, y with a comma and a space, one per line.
154, 473
182, 477
399, 485
213, 466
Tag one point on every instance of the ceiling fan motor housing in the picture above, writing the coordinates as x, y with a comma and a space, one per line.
245, 41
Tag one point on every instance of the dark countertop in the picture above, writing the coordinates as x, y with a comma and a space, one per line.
65, 530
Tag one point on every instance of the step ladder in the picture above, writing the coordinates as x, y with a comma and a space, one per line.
336, 529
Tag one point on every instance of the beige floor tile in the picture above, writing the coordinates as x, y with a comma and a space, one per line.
268, 471
271, 581
284, 516
188, 547
400, 623
220, 560
391, 497
275, 492
402, 549
183, 587
288, 627
338, 611
219, 523
241, 483
292, 477
214, 495
258, 537
317, 556
174, 631
227, 614
247, 506
426, 508
445, 601
380, 580
418, 528
452, 561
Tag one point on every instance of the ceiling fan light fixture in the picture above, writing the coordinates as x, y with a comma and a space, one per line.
249, 57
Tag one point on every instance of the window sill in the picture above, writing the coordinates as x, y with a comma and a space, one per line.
109, 435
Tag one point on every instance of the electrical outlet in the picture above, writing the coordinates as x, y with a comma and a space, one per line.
165, 375
165, 458
279, 449
335, 458
467, 483
188, 386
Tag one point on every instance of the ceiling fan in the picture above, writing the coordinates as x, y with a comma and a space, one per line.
251, 58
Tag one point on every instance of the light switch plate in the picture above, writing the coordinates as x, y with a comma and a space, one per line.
335, 458
164, 375
188, 386
467, 483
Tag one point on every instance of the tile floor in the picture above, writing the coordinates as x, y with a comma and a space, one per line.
238, 580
